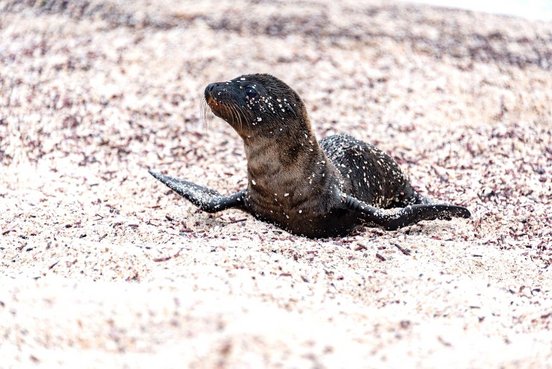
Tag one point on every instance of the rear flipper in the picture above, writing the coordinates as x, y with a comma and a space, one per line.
392, 219
204, 198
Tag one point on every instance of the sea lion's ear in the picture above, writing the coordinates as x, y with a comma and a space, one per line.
392, 219
291, 109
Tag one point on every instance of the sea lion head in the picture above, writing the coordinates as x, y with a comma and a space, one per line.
257, 104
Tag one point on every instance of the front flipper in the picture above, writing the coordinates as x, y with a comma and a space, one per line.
204, 198
392, 219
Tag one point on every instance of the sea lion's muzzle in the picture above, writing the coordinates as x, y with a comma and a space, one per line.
211, 87
223, 100
217, 93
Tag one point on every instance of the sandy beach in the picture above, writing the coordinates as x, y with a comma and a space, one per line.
103, 267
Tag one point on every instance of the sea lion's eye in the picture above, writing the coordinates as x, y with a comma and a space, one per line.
251, 93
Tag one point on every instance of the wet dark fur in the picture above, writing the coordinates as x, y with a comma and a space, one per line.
306, 187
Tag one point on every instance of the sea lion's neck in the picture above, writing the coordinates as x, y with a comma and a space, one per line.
286, 165
294, 144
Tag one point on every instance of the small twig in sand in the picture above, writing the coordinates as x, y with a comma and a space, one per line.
165, 258
406, 252
232, 221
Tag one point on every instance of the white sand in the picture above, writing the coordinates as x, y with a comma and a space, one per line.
101, 266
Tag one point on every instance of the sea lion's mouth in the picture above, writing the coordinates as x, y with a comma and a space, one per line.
215, 95
209, 95
212, 102
223, 106
217, 107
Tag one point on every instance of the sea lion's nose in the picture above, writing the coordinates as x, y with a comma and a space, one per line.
209, 89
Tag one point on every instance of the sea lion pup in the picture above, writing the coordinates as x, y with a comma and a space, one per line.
305, 187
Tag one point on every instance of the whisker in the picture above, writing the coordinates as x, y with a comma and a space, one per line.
229, 109
241, 113
240, 117
206, 115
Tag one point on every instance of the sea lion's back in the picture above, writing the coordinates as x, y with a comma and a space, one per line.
374, 176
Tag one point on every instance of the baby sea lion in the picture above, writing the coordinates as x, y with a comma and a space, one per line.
309, 188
